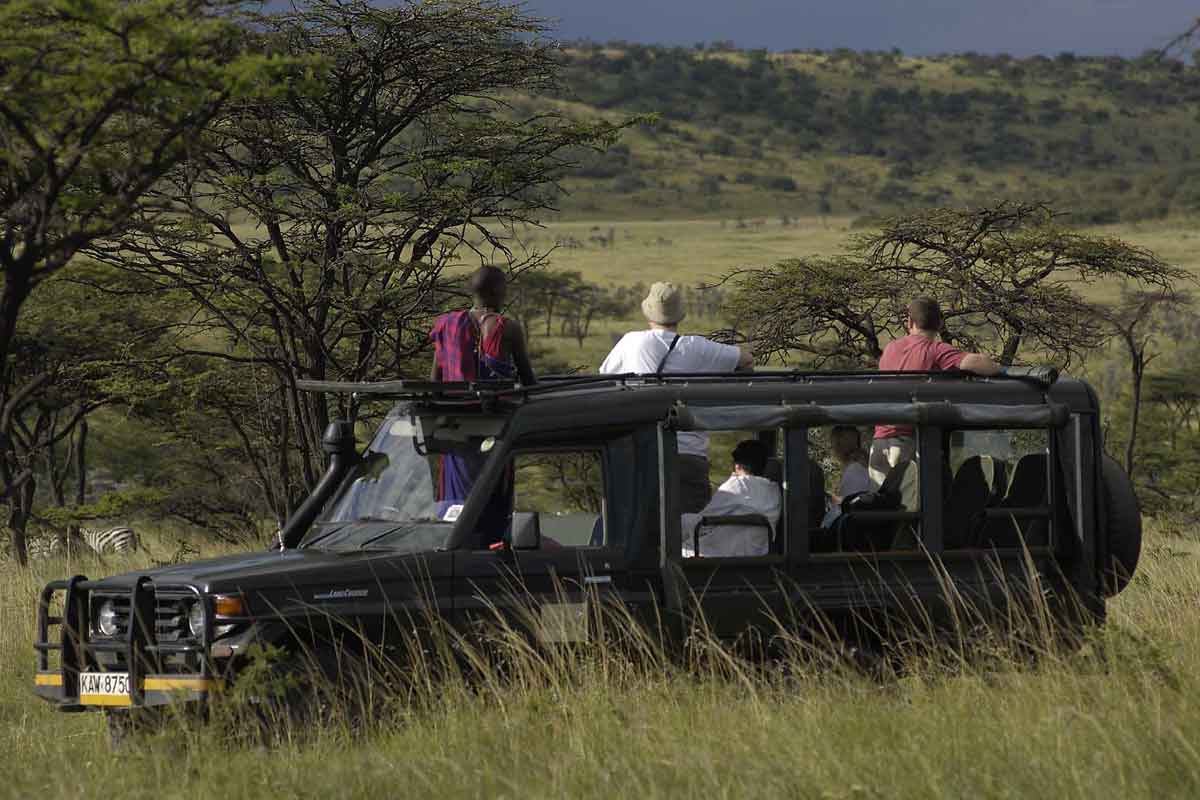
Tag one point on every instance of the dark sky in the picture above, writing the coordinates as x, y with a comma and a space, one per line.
1019, 27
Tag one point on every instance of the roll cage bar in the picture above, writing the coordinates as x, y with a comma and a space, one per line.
1041, 377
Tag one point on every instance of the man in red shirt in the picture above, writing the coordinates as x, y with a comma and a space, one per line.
920, 351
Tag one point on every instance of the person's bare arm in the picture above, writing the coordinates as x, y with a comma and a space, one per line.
745, 358
979, 364
520, 352
435, 372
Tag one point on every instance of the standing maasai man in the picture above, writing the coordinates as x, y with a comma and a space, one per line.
479, 344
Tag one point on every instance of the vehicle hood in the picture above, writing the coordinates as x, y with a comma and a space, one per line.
264, 570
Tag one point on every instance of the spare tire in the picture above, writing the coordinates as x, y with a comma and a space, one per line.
1123, 527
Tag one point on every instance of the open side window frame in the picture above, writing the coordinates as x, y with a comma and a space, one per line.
506, 453
1052, 512
601, 451
931, 517
802, 535
777, 555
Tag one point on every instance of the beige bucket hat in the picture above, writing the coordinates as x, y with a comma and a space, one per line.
664, 304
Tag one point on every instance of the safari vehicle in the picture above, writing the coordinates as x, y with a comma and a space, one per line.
574, 499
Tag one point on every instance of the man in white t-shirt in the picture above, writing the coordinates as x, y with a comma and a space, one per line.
746, 491
662, 349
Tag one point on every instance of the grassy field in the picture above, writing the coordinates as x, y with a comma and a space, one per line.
1116, 720
693, 251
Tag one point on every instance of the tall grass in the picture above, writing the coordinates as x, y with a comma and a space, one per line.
1002, 711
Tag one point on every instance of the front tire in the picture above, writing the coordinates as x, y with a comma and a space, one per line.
127, 725
313, 689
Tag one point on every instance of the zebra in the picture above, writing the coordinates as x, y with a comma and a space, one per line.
121, 539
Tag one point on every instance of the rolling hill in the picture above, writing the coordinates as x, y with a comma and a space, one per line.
783, 134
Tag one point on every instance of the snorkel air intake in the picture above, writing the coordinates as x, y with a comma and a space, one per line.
338, 442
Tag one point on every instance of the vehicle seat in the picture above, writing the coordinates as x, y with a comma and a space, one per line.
1028, 490
996, 471
857, 534
964, 504
1029, 482
752, 537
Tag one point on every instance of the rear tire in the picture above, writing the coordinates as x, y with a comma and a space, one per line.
1122, 527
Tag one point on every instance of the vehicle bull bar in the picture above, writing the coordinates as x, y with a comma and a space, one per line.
149, 685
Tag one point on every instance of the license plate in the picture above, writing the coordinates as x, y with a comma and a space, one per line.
104, 688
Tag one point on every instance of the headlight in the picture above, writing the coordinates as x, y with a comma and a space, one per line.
196, 619
106, 618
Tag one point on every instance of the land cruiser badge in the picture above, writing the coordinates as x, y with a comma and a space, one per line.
341, 594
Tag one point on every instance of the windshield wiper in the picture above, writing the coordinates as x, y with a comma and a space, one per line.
325, 535
377, 537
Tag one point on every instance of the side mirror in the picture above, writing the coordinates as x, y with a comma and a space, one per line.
526, 531
339, 438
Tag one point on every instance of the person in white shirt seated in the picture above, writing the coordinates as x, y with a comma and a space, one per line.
662, 349
845, 444
746, 492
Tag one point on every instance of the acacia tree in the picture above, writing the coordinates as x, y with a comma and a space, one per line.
316, 232
1135, 320
834, 311
1177, 390
212, 476
75, 351
1008, 276
98, 100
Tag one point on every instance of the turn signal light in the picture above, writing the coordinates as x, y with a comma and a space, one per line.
229, 605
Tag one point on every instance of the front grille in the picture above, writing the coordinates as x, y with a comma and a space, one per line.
170, 617
170, 630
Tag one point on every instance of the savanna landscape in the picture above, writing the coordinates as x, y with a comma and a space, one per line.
191, 228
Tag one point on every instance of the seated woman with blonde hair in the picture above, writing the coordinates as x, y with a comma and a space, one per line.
845, 444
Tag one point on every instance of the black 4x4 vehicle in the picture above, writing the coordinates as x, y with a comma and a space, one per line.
574, 494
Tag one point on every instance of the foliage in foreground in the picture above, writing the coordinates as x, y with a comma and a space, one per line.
305, 229
98, 100
1112, 720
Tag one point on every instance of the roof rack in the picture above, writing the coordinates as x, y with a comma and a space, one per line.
476, 391
404, 389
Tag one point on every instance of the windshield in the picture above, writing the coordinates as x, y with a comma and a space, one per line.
410, 484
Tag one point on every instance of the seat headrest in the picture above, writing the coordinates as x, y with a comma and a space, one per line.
892, 481
1029, 483
970, 484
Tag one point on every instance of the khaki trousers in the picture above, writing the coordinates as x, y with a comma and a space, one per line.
887, 453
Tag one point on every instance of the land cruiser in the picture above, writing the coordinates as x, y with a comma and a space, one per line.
572, 494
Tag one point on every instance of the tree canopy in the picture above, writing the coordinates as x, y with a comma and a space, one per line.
320, 229
1009, 277
98, 100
